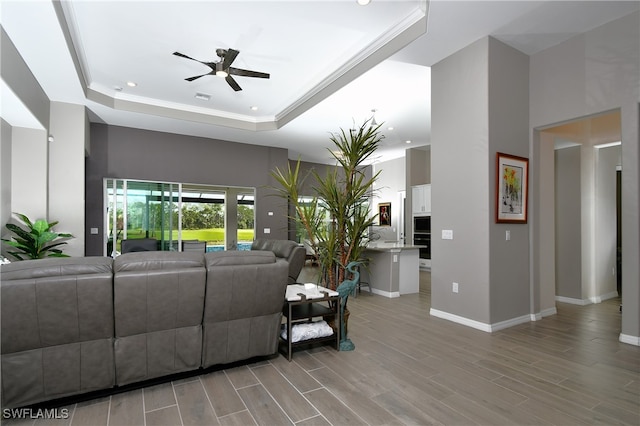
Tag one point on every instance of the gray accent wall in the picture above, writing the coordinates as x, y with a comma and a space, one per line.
479, 107
591, 73
127, 153
459, 177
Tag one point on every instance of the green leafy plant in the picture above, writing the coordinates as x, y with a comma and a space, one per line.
337, 219
37, 241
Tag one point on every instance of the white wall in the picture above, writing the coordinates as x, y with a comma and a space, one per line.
390, 181
29, 170
5, 180
68, 126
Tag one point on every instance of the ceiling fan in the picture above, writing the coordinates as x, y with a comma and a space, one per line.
224, 69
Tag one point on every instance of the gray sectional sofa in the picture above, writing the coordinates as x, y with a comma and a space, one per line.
291, 251
76, 325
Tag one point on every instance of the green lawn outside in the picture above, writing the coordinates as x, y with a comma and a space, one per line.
212, 235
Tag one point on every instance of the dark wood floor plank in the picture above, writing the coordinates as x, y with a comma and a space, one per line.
158, 396
362, 405
547, 400
241, 377
126, 409
241, 418
169, 416
296, 375
194, 405
286, 395
222, 394
262, 406
89, 415
333, 409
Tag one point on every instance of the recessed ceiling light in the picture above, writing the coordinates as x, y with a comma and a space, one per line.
407, 141
390, 128
363, 2
131, 84
254, 108
202, 96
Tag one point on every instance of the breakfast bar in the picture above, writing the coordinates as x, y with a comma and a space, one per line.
393, 269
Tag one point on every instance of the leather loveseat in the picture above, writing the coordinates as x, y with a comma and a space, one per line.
76, 325
292, 252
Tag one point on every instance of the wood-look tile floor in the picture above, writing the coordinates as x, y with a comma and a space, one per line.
410, 369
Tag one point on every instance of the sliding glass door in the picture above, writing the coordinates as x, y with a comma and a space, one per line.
173, 213
138, 210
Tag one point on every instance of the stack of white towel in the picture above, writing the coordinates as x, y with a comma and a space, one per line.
307, 330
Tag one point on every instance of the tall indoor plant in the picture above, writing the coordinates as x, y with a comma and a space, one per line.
337, 219
37, 241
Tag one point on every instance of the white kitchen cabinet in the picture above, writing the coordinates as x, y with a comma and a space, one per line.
421, 199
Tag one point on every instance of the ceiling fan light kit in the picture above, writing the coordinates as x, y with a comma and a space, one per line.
223, 68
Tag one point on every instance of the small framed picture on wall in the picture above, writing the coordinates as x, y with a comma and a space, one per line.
384, 214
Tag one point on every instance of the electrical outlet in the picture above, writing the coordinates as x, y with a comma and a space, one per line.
454, 287
447, 234
267, 230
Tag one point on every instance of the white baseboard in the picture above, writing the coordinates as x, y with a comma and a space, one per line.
631, 340
489, 328
581, 302
547, 312
603, 297
509, 323
461, 320
390, 294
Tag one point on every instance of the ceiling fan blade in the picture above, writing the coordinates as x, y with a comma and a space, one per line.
247, 73
234, 84
211, 65
229, 57
182, 55
198, 76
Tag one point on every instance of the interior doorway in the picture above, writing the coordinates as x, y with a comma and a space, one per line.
592, 150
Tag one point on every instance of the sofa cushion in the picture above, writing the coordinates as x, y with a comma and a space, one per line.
57, 328
227, 258
49, 302
158, 305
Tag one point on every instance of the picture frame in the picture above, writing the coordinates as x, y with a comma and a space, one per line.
384, 214
512, 188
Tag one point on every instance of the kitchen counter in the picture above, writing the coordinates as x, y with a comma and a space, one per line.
393, 269
390, 245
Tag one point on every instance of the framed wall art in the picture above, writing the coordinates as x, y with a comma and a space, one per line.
384, 214
512, 188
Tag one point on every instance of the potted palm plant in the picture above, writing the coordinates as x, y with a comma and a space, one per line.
37, 241
337, 218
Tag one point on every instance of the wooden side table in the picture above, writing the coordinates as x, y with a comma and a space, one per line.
303, 304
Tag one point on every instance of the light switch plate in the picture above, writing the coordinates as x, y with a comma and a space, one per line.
267, 230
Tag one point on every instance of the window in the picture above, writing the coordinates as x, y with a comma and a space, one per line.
173, 212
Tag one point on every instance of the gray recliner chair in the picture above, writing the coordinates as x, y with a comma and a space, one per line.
289, 250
